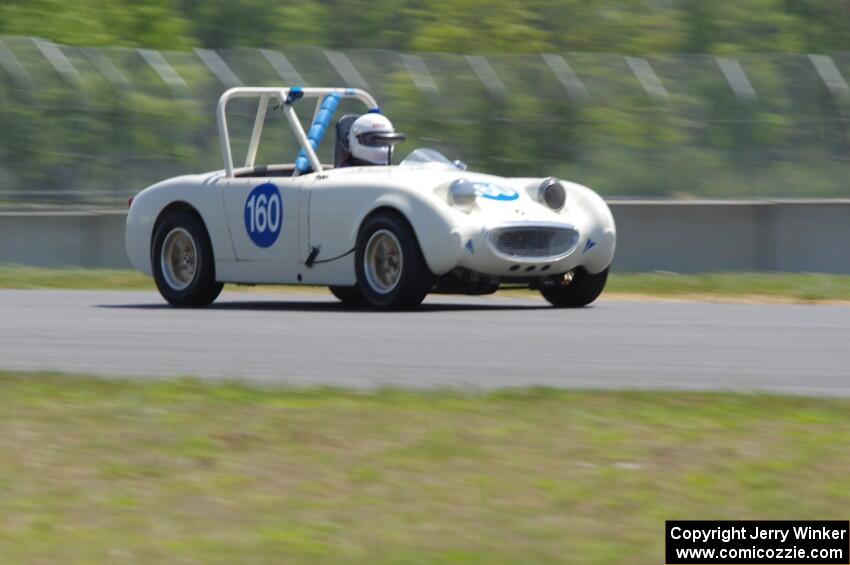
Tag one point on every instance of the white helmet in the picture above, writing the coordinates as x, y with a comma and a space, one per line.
371, 139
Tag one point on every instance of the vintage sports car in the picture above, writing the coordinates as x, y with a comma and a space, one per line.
380, 235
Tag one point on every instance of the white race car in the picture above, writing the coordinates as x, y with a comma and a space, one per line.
383, 236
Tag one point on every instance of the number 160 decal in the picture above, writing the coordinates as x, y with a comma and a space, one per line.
264, 214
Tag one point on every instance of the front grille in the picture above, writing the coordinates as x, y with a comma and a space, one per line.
534, 242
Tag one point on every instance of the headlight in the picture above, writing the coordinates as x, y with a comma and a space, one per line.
552, 193
462, 195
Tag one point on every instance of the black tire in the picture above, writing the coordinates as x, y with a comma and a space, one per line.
348, 295
414, 279
200, 287
584, 289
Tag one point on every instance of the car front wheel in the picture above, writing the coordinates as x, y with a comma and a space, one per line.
581, 291
348, 295
391, 272
182, 260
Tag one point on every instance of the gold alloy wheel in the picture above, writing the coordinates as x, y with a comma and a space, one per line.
179, 258
383, 261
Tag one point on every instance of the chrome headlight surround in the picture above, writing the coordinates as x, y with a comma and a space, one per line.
552, 194
462, 195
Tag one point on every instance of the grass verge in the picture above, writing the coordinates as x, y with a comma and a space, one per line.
179, 471
801, 287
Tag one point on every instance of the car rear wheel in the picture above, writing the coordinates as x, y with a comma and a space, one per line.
581, 291
391, 272
182, 260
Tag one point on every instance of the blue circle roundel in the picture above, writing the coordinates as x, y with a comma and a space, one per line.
264, 214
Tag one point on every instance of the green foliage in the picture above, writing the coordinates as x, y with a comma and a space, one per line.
486, 26
98, 23
750, 25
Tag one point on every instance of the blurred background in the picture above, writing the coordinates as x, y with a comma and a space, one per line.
635, 98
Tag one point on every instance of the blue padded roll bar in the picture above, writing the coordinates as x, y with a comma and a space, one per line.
317, 130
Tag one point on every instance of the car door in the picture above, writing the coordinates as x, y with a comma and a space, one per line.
263, 216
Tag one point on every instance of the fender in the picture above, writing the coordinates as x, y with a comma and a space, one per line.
600, 241
336, 214
203, 195
440, 243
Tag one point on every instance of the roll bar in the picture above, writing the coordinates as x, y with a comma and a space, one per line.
286, 97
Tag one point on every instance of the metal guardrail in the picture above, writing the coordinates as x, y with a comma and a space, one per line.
92, 126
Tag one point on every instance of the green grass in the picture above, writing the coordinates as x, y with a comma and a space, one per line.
795, 286
805, 287
20, 277
183, 472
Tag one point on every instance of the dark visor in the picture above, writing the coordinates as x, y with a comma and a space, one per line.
380, 138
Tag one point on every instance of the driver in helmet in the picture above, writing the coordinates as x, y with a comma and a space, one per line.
370, 141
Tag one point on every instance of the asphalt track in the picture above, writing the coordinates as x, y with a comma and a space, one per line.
310, 339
